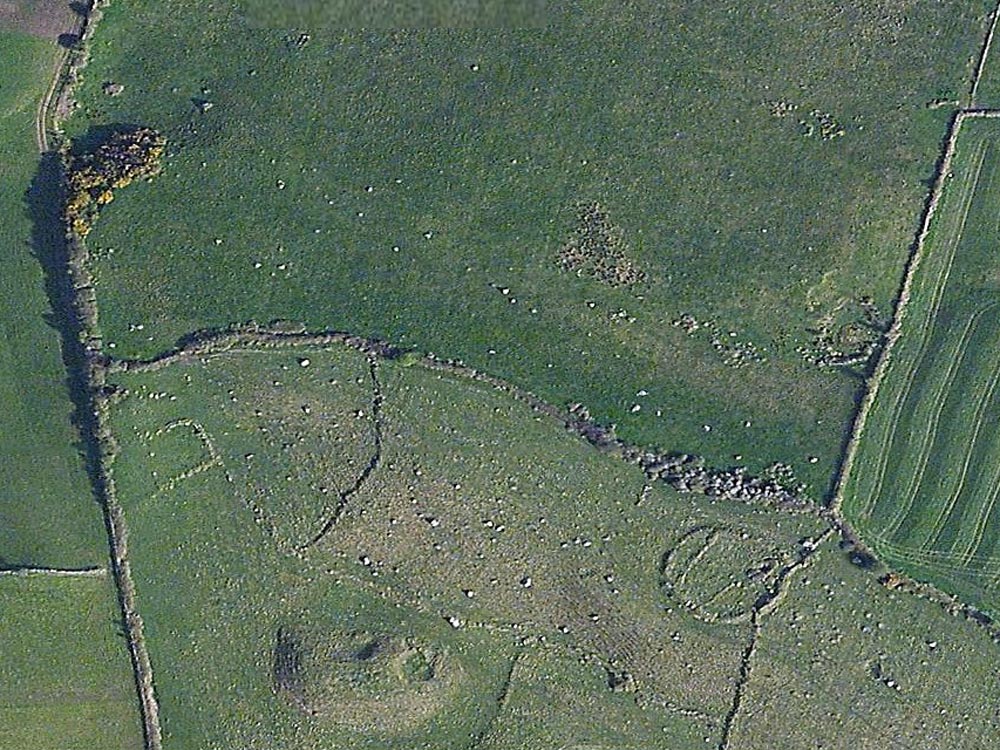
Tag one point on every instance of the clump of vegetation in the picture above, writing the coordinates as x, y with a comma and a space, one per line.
597, 249
416, 666
92, 178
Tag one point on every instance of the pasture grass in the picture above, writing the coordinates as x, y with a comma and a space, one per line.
555, 702
396, 183
488, 542
65, 678
389, 14
988, 90
924, 485
846, 662
47, 516
495, 583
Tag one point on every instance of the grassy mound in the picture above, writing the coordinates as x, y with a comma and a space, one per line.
493, 565
358, 678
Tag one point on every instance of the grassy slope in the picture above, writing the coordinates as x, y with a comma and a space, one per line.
912, 494
65, 680
214, 589
660, 116
46, 515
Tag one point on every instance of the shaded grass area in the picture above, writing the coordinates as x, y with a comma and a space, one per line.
924, 487
65, 679
47, 516
396, 183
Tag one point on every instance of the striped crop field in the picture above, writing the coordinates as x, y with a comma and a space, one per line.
925, 481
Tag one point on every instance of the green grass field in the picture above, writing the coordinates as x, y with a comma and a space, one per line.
924, 486
65, 678
845, 663
987, 94
47, 515
422, 185
505, 550
494, 583
387, 14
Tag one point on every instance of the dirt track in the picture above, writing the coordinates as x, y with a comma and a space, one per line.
48, 19
45, 19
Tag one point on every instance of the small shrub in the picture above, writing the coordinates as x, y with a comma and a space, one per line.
92, 178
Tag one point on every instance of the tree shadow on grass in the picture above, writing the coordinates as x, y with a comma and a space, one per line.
43, 203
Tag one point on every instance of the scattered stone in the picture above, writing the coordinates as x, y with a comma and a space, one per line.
598, 250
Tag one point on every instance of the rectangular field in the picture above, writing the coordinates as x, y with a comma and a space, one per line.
926, 478
47, 514
65, 677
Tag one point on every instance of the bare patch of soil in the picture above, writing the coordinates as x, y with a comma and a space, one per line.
46, 19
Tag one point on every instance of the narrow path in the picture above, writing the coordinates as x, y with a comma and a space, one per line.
59, 71
44, 106
31, 571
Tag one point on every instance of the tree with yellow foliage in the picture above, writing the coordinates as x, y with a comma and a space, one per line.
92, 178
